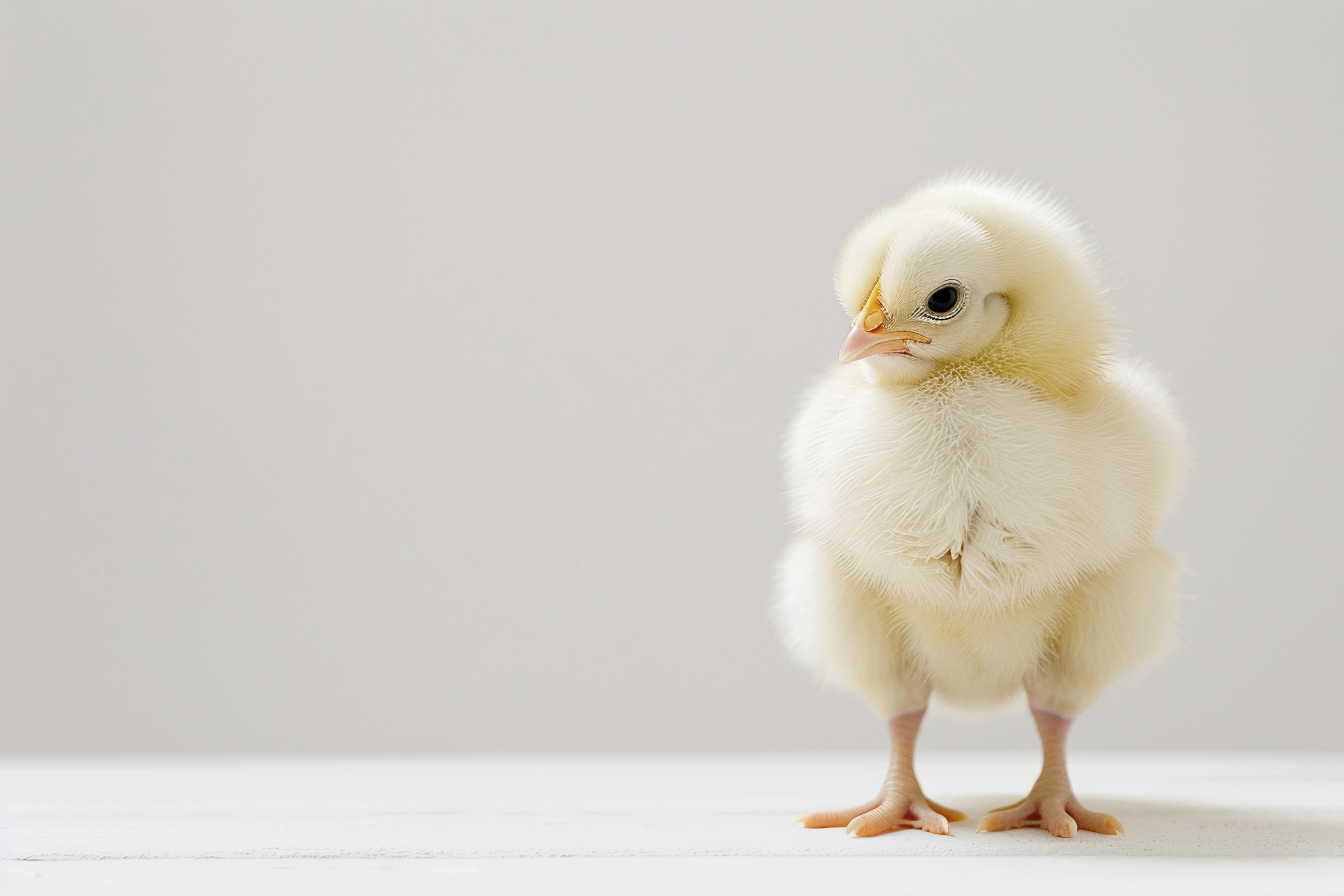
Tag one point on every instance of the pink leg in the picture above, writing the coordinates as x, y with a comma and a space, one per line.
900, 803
1051, 803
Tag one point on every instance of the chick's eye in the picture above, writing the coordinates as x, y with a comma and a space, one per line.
944, 300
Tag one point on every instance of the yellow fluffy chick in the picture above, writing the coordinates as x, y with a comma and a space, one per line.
977, 488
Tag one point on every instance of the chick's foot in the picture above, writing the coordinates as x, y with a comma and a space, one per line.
1051, 804
901, 803
1053, 807
895, 809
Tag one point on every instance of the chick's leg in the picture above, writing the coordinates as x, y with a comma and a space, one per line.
900, 803
1051, 804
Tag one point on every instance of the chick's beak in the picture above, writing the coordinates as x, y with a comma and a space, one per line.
868, 336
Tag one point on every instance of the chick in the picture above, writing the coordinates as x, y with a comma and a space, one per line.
977, 488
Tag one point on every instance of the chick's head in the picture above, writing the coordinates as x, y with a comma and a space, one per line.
972, 274
937, 299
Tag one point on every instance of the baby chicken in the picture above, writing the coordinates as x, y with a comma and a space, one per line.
977, 488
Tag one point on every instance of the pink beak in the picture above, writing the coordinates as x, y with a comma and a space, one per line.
861, 343
870, 336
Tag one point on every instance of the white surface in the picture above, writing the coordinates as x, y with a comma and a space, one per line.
651, 824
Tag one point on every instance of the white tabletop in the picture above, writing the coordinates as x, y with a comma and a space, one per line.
653, 824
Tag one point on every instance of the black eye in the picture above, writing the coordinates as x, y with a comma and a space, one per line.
944, 300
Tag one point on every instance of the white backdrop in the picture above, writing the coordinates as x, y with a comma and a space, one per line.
392, 377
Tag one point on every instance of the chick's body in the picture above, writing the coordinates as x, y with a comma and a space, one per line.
971, 538
977, 510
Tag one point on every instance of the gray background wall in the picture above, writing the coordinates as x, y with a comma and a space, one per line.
411, 377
